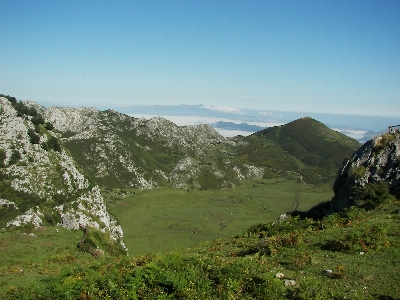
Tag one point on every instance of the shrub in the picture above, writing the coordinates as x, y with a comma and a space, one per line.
37, 120
370, 237
3, 156
34, 138
49, 126
15, 157
273, 244
32, 111
52, 144
348, 217
373, 195
358, 172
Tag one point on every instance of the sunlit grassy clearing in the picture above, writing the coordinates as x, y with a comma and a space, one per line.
168, 219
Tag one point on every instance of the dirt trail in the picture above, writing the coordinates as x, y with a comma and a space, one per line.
296, 199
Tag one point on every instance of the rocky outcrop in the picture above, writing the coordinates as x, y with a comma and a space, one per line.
44, 174
378, 160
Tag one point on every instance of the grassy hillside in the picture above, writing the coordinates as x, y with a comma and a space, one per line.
352, 255
304, 145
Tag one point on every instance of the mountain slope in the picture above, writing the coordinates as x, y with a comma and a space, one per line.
117, 150
40, 183
304, 145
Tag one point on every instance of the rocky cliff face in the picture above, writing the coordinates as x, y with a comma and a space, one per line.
378, 160
45, 180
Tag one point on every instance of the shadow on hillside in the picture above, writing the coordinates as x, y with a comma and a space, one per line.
316, 212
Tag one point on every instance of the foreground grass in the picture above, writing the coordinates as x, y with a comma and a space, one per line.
172, 219
31, 256
353, 255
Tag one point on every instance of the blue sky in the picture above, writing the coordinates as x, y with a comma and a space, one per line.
311, 56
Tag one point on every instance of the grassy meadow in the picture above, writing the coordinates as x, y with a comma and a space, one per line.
171, 219
34, 255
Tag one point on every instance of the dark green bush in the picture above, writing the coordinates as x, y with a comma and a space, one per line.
37, 120
358, 172
15, 157
2, 157
49, 126
32, 111
34, 138
52, 144
373, 195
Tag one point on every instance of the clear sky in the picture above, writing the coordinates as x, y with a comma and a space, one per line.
317, 56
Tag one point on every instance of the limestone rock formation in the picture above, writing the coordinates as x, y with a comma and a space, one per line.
378, 160
45, 181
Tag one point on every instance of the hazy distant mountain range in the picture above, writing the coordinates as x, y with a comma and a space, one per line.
230, 121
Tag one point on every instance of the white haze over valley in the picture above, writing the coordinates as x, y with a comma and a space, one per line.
232, 121
197, 120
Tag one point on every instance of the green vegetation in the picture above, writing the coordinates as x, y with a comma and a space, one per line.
171, 219
358, 172
23, 200
297, 258
15, 157
37, 120
305, 145
202, 241
49, 126
383, 142
52, 144
34, 138
3, 156
373, 195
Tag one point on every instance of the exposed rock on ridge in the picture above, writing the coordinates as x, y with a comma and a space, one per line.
378, 160
117, 150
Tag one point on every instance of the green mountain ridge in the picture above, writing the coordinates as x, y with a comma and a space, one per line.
304, 145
